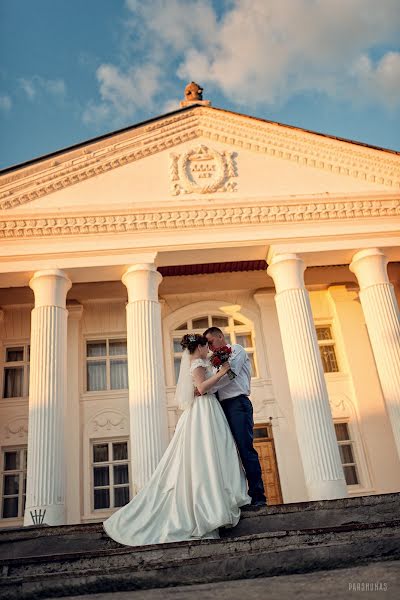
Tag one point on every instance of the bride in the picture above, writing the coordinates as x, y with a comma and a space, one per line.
199, 485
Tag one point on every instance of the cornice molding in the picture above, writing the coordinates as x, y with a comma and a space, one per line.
178, 219
312, 150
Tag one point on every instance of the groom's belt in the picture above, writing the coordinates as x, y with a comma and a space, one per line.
234, 397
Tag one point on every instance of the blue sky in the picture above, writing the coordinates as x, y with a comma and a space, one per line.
71, 70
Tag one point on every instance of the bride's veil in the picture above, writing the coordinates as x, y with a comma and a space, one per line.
184, 394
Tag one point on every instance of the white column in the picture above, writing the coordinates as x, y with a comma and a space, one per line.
45, 494
73, 422
315, 431
381, 314
147, 400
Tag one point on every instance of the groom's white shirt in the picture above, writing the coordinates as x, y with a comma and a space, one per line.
240, 365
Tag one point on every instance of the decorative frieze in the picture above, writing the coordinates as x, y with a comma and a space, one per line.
196, 218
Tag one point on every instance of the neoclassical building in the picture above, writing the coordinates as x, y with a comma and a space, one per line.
111, 250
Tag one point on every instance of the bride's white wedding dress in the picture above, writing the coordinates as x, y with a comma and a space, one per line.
198, 486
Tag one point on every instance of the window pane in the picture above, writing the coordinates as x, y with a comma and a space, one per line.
350, 474
14, 354
252, 364
101, 476
177, 345
97, 348
260, 432
100, 453
119, 374
328, 356
121, 474
10, 508
120, 451
177, 365
342, 432
96, 376
121, 496
183, 326
346, 453
117, 347
244, 339
220, 321
11, 461
101, 499
235, 322
11, 485
201, 323
28, 351
228, 338
13, 382
324, 333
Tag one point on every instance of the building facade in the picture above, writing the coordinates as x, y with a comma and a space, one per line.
111, 250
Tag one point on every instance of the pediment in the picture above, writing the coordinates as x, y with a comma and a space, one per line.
192, 157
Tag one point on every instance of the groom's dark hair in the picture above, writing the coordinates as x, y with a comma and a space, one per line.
213, 331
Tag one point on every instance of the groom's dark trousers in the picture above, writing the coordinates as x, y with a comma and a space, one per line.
239, 414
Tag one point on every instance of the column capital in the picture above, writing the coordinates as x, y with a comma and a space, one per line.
50, 287
370, 267
287, 271
142, 281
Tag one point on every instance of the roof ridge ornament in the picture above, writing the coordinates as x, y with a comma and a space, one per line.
194, 95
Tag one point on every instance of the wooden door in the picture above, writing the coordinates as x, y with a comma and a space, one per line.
264, 444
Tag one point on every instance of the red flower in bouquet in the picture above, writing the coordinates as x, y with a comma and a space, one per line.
220, 356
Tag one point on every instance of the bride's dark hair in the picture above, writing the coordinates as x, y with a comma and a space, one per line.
190, 341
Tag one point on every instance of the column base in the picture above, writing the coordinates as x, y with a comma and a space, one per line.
327, 490
53, 514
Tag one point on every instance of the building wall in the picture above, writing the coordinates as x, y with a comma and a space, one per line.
354, 391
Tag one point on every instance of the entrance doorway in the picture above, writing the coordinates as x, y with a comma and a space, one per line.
264, 444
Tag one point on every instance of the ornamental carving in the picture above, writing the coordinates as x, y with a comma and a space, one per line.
16, 428
202, 217
202, 170
109, 421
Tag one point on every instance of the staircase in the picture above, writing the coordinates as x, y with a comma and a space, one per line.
41, 561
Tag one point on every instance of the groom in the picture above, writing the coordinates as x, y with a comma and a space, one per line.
233, 395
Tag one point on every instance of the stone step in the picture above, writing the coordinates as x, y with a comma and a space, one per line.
186, 563
42, 540
39, 562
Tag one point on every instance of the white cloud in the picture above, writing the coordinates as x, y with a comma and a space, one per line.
255, 52
380, 80
36, 85
267, 52
5, 102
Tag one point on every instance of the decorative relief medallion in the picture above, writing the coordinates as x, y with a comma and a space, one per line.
202, 170
17, 427
108, 421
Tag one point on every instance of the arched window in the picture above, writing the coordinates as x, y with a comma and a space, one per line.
235, 331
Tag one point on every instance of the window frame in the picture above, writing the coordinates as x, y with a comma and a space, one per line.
111, 486
231, 329
330, 342
22, 472
24, 364
353, 444
107, 358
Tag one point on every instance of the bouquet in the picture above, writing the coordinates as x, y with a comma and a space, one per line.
221, 356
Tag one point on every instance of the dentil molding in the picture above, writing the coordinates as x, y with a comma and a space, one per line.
322, 152
203, 217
